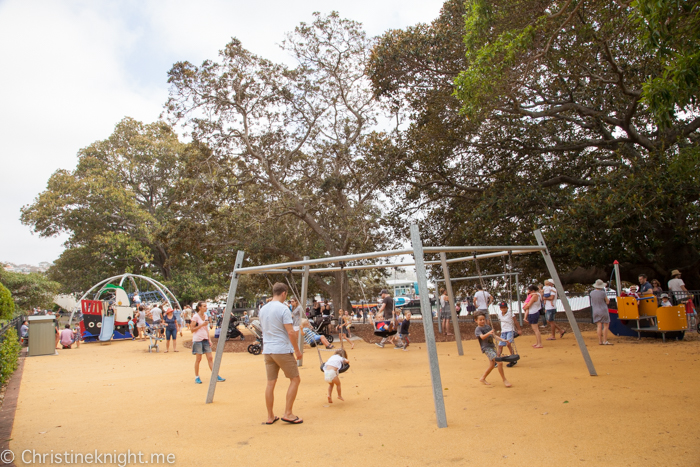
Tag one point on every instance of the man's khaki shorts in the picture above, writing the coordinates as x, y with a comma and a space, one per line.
286, 361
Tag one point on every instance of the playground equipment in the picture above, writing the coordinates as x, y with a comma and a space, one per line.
105, 315
643, 316
649, 317
107, 329
418, 251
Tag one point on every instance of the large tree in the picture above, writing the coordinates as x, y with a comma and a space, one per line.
28, 290
312, 171
540, 116
136, 202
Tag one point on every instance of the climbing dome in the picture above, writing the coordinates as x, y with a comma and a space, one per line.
117, 299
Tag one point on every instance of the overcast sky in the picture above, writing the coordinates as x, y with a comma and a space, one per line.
72, 70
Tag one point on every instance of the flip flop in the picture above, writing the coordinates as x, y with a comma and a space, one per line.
608, 343
551, 339
296, 421
273, 421
538, 347
562, 334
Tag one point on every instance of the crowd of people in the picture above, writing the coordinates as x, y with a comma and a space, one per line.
283, 321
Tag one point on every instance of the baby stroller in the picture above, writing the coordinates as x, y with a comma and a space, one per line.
154, 333
256, 347
322, 326
233, 332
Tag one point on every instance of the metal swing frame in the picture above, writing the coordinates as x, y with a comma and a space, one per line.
418, 251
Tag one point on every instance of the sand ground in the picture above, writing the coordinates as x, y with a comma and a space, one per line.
640, 410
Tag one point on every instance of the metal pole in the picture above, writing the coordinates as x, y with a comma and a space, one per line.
224, 327
453, 309
565, 302
401, 265
517, 293
485, 276
438, 305
458, 249
282, 267
618, 284
332, 259
304, 293
438, 396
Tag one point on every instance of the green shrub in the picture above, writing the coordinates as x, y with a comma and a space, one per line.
7, 305
9, 355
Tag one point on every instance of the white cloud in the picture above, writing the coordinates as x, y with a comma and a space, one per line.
72, 70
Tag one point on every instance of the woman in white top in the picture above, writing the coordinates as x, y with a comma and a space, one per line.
533, 305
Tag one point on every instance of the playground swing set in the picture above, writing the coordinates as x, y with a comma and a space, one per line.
418, 251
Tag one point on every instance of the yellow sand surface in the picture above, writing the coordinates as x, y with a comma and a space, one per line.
640, 411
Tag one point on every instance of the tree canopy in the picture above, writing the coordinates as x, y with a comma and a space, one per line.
132, 204
540, 116
576, 116
311, 168
7, 305
29, 291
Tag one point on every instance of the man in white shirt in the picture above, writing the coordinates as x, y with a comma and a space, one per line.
677, 287
156, 314
280, 350
482, 300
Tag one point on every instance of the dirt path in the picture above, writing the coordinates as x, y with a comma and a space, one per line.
640, 410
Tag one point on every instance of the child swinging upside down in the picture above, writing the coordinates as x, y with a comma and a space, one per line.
330, 370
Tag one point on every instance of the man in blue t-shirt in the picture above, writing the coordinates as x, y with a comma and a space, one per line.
644, 285
280, 349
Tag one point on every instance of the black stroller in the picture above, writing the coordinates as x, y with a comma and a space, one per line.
232, 332
322, 326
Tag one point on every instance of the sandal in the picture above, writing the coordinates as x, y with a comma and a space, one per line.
551, 339
295, 421
538, 347
562, 334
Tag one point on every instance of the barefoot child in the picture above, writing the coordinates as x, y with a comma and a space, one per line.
344, 328
485, 334
331, 368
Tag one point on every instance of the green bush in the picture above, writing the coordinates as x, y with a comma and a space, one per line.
7, 305
9, 355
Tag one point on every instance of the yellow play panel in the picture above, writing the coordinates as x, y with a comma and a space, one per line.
640, 410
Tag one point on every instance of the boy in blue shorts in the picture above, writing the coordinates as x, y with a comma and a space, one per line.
508, 325
486, 335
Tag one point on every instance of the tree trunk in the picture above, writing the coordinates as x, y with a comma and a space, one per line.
338, 301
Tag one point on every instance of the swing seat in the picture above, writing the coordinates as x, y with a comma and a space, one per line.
343, 368
508, 358
382, 333
385, 333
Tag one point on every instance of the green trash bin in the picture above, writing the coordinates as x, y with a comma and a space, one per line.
42, 335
